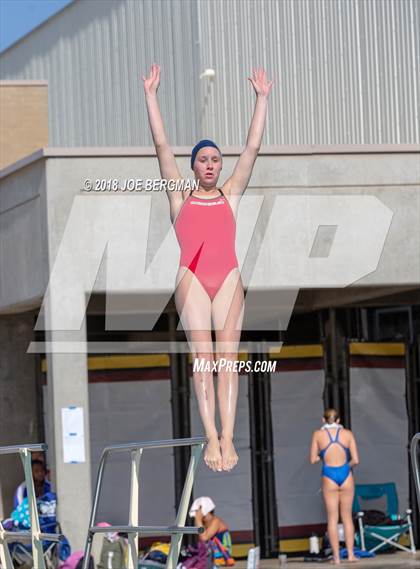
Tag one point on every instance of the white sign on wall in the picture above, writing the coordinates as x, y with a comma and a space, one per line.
73, 434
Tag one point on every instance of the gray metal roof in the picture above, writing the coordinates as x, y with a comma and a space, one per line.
346, 71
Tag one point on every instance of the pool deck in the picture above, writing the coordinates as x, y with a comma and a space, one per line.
386, 561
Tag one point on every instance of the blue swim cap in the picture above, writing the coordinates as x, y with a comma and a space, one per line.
202, 144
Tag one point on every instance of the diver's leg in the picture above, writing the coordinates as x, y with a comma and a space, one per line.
194, 307
346, 507
331, 498
227, 313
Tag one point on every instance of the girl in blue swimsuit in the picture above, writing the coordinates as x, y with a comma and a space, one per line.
336, 448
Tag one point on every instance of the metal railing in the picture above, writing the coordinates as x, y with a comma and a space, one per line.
415, 465
34, 534
133, 529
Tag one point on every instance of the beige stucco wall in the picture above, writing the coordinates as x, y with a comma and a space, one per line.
23, 119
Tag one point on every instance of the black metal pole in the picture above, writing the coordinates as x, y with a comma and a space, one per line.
253, 428
180, 405
332, 345
262, 461
271, 501
412, 369
346, 385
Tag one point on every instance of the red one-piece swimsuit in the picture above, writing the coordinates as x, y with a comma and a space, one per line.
206, 231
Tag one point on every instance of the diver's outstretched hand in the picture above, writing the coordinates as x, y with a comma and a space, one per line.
151, 83
260, 82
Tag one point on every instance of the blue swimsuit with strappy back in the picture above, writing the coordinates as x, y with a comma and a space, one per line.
337, 474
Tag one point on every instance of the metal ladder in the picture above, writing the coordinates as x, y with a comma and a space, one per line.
415, 465
34, 534
133, 529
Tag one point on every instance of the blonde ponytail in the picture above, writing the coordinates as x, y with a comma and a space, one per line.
331, 415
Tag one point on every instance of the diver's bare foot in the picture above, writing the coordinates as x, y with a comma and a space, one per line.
229, 456
335, 561
212, 456
352, 559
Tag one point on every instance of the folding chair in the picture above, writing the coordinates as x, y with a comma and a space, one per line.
375, 537
21, 553
40, 541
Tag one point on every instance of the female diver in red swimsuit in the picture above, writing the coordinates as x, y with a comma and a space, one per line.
208, 285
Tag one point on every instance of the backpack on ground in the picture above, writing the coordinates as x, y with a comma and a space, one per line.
113, 554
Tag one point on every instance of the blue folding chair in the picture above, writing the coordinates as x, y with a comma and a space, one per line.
375, 537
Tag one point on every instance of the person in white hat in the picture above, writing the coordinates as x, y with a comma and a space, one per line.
202, 510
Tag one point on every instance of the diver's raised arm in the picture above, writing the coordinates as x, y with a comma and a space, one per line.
167, 163
238, 182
